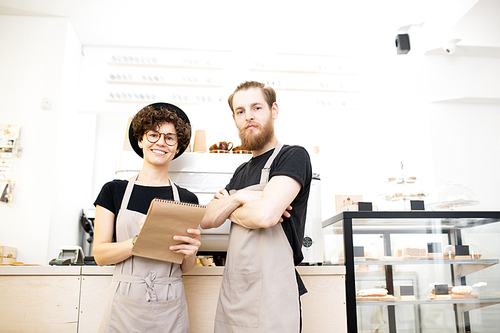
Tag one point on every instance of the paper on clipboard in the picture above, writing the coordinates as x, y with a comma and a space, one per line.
164, 220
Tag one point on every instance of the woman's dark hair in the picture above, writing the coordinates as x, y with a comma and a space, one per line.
150, 118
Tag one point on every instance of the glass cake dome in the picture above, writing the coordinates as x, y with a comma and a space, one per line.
451, 196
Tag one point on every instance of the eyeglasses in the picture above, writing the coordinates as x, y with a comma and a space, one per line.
154, 136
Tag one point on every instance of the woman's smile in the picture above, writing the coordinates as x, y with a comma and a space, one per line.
158, 152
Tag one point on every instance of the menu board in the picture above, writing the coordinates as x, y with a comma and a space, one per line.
6, 192
9, 137
9, 134
5, 170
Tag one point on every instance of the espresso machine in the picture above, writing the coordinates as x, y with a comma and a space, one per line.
312, 246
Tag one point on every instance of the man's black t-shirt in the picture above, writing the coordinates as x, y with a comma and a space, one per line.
294, 162
112, 193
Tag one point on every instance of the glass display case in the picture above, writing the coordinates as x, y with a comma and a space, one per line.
418, 271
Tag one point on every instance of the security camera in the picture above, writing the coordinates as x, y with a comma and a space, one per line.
450, 46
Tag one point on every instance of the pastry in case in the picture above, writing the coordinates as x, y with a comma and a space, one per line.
461, 290
374, 294
413, 252
454, 292
410, 253
449, 252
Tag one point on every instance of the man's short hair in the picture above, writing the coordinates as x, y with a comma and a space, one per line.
268, 92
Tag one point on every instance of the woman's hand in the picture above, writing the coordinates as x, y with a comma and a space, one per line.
141, 223
189, 248
190, 244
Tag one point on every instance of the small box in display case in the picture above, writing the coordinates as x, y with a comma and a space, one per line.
417, 205
365, 206
462, 252
441, 291
359, 253
406, 293
434, 250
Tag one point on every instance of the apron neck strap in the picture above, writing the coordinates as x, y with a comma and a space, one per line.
128, 192
264, 175
130, 186
175, 191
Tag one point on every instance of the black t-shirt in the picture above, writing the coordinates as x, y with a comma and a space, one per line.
112, 193
294, 162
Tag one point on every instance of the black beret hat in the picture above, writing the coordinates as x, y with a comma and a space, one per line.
158, 106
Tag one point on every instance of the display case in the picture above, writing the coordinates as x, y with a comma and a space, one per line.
418, 271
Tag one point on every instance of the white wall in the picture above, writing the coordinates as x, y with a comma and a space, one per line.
456, 140
464, 129
397, 120
40, 57
466, 149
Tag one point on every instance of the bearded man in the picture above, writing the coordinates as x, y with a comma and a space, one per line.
266, 201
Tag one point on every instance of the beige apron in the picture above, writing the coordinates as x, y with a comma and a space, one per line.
145, 295
259, 291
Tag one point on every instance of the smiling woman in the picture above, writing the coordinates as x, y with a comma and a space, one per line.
159, 133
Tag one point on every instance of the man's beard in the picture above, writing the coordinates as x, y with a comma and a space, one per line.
253, 141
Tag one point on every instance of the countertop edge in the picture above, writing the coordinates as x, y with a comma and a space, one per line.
41, 270
108, 270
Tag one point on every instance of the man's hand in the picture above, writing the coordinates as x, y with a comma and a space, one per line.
219, 209
286, 213
243, 196
267, 208
220, 195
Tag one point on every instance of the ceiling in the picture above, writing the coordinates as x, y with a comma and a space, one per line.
312, 27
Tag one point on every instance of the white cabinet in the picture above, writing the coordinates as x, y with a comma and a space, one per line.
47, 302
72, 298
93, 298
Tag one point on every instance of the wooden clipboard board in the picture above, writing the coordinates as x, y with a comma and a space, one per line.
164, 220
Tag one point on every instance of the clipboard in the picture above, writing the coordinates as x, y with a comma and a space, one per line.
164, 220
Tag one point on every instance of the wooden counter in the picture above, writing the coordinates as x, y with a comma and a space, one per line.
71, 299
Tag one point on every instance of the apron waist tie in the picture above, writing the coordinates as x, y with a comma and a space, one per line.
149, 282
